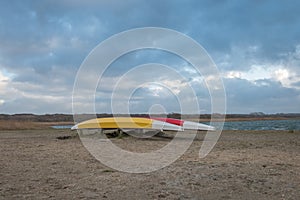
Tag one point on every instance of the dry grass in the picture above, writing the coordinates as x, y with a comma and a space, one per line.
18, 125
25, 125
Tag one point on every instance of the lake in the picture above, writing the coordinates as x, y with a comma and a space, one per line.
261, 125
245, 125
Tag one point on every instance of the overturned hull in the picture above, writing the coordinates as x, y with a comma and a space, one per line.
126, 123
188, 125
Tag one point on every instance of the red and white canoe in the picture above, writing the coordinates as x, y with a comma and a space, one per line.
186, 124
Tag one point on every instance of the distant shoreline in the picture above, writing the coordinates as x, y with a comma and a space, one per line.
252, 119
49, 118
31, 121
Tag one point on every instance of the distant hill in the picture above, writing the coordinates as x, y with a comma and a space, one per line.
38, 118
69, 117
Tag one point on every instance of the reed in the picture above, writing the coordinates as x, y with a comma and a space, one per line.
19, 125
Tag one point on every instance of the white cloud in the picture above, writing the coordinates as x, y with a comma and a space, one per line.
257, 72
2, 77
278, 73
176, 86
233, 74
3, 82
189, 69
155, 90
281, 74
286, 77
16, 96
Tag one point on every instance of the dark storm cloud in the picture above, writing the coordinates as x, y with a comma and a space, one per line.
43, 43
245, 96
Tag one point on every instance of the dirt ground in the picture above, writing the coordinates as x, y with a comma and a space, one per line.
34, 164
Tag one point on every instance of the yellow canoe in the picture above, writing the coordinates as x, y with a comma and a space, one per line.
126, 123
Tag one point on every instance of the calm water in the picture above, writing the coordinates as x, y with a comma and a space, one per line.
62, 127
245, 125
261, 125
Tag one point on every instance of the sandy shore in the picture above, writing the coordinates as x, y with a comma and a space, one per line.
34, 164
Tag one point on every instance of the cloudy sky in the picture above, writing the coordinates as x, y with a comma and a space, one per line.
254, 44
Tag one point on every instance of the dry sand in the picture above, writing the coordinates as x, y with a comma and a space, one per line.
34, 164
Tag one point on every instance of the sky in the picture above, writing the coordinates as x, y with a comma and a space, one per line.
254, 44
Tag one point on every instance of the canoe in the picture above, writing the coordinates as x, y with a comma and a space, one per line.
126, 123
185, 124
